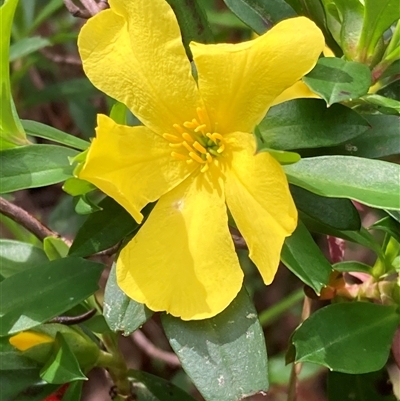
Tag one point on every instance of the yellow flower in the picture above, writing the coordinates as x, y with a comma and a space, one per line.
194, 154
28, 339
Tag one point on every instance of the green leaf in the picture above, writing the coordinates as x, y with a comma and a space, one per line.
375, 386
259, 15
338, 213
225, 356
379, 16
27, 46
62, 367
74, 186
352, 266
308, 123
388, 225
37, 129
12, 359
336, 80
282, 156
351, 17
347, 337
301, 255
192, 21
85, 205
74, 391
55, 248
25, 385
103, 229
40, 293
379, 141
383, 101
121, 312
148, 387
79, 88
372, 182
34, 166
16, 256
11, 132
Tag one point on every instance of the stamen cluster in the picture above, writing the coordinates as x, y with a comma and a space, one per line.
193, 141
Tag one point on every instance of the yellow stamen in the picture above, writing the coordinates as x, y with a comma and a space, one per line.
204, 168
216, 136
178, 156
190, 124
202, 115
188, 147
221, 148
178, 128
201, 128
187, 137
209, 158
189, 161
200, 148
196, 157
172, 138
175, 145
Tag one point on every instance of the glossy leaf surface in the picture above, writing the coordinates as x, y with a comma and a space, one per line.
347, 337
224, 356
372, 182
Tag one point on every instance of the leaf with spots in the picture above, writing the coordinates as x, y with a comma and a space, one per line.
225, 356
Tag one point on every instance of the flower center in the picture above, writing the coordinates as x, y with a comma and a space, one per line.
193, 142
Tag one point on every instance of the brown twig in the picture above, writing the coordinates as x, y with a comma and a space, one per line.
90, 8
71, 320
26, 220
152, 351
296, 367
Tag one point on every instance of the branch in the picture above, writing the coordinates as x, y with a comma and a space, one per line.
90, 8
22, 217
152, 351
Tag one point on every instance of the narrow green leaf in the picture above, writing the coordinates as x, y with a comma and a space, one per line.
103, 229
37, 129
74, 391
337, 213
394, 213
336, 80
388, 225
301, 255
11, 132
36, 295
308, 123
27, 46
49, 8
192, 21
352, 266
152, 388
55, 248
259, 15
379, 15
62, 367
122, 313
74, 186
282, 156
85, 205
379, 141
351, 17
16, 256
348, 337
34, 166
372, 182
383, 101
374, 386
224, 356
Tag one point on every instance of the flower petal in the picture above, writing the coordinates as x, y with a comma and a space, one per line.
134, 53
28, 339
132, 165
258, 197
183, 260
297, 91
239, 82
